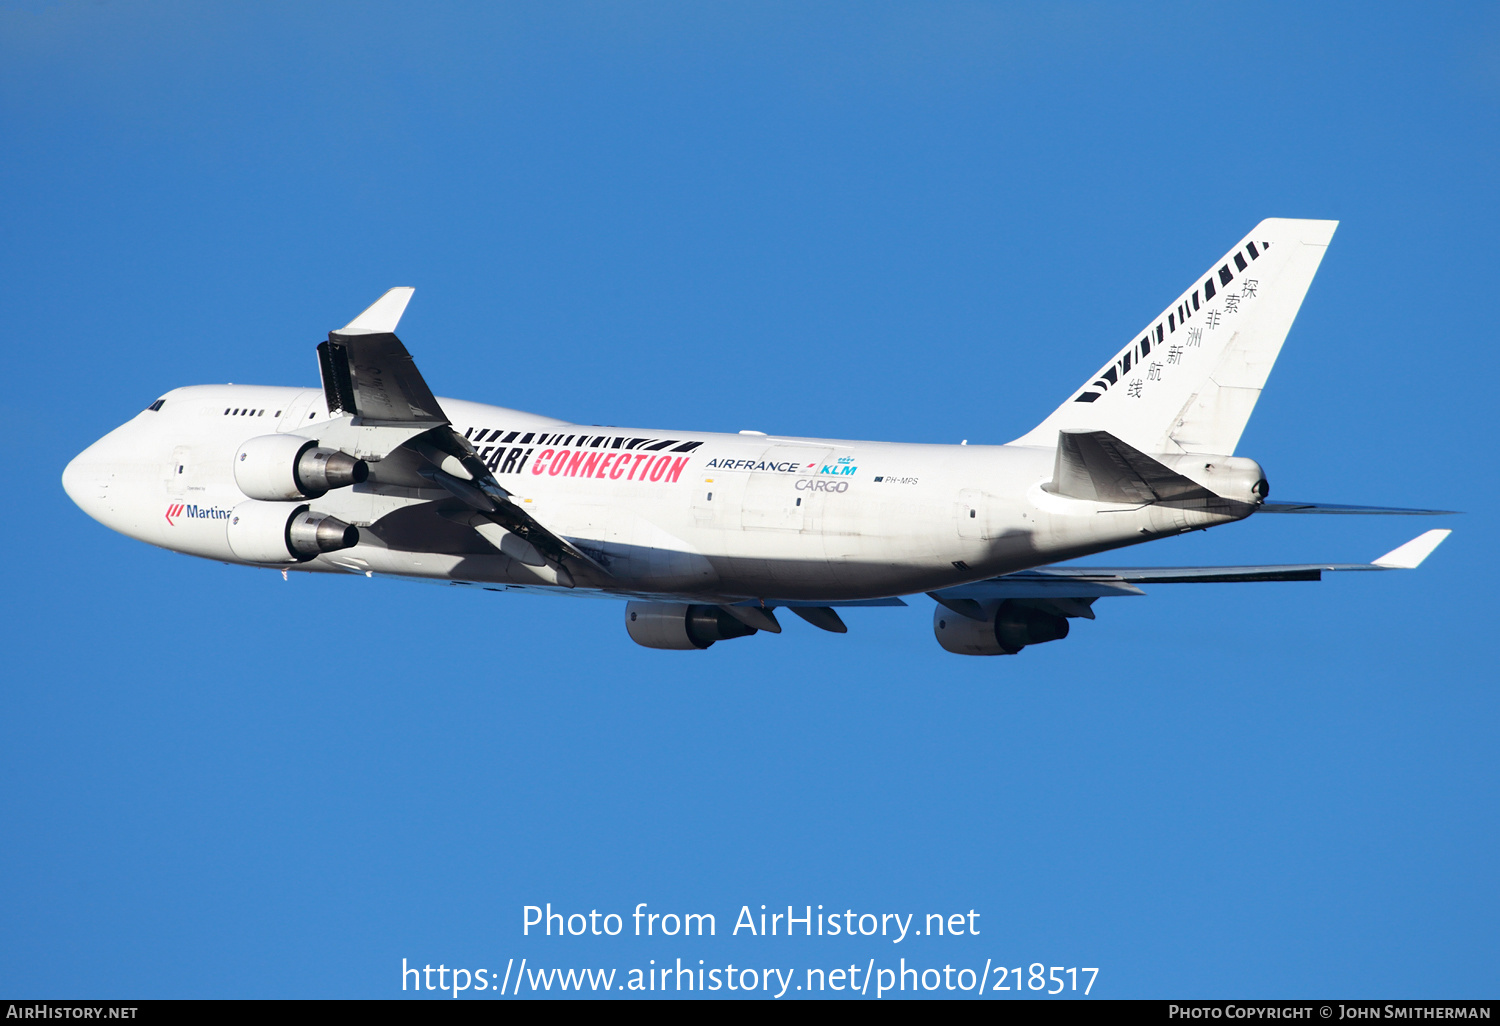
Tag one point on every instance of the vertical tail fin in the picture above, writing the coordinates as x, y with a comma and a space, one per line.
1189, 382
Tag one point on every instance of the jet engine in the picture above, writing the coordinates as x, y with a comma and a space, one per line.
1007, 628
267, 532
677, 625
283, 467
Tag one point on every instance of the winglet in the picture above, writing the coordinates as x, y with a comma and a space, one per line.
1410, 555
382, 316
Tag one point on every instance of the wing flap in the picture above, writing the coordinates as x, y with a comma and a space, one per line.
819, 603
373, 377
1039, 584
368, 373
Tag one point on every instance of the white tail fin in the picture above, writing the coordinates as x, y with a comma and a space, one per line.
1189, 382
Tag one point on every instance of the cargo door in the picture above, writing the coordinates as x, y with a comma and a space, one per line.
772, 500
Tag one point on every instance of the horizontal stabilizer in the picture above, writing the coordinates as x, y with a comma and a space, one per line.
1097, 466
1329, 507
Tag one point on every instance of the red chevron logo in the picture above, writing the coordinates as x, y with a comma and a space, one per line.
174, 510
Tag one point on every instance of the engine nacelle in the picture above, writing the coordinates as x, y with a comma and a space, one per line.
677, 625
267, 532
287, 467
1007, 628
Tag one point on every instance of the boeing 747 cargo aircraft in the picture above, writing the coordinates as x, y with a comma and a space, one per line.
706, 536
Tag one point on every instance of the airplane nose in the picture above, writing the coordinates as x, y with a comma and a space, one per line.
75, 477
86, 479
110, 479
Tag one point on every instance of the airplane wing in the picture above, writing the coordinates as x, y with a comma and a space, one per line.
1071, 590
380, 403
368, 374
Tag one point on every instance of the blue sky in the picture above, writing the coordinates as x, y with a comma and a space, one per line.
918, 222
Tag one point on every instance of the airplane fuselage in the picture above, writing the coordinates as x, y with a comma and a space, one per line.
682, 515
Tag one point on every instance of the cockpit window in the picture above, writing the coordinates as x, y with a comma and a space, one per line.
157, 405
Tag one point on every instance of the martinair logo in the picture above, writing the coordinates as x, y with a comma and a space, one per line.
177, 509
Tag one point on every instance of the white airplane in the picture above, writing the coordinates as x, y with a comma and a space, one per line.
706, 535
